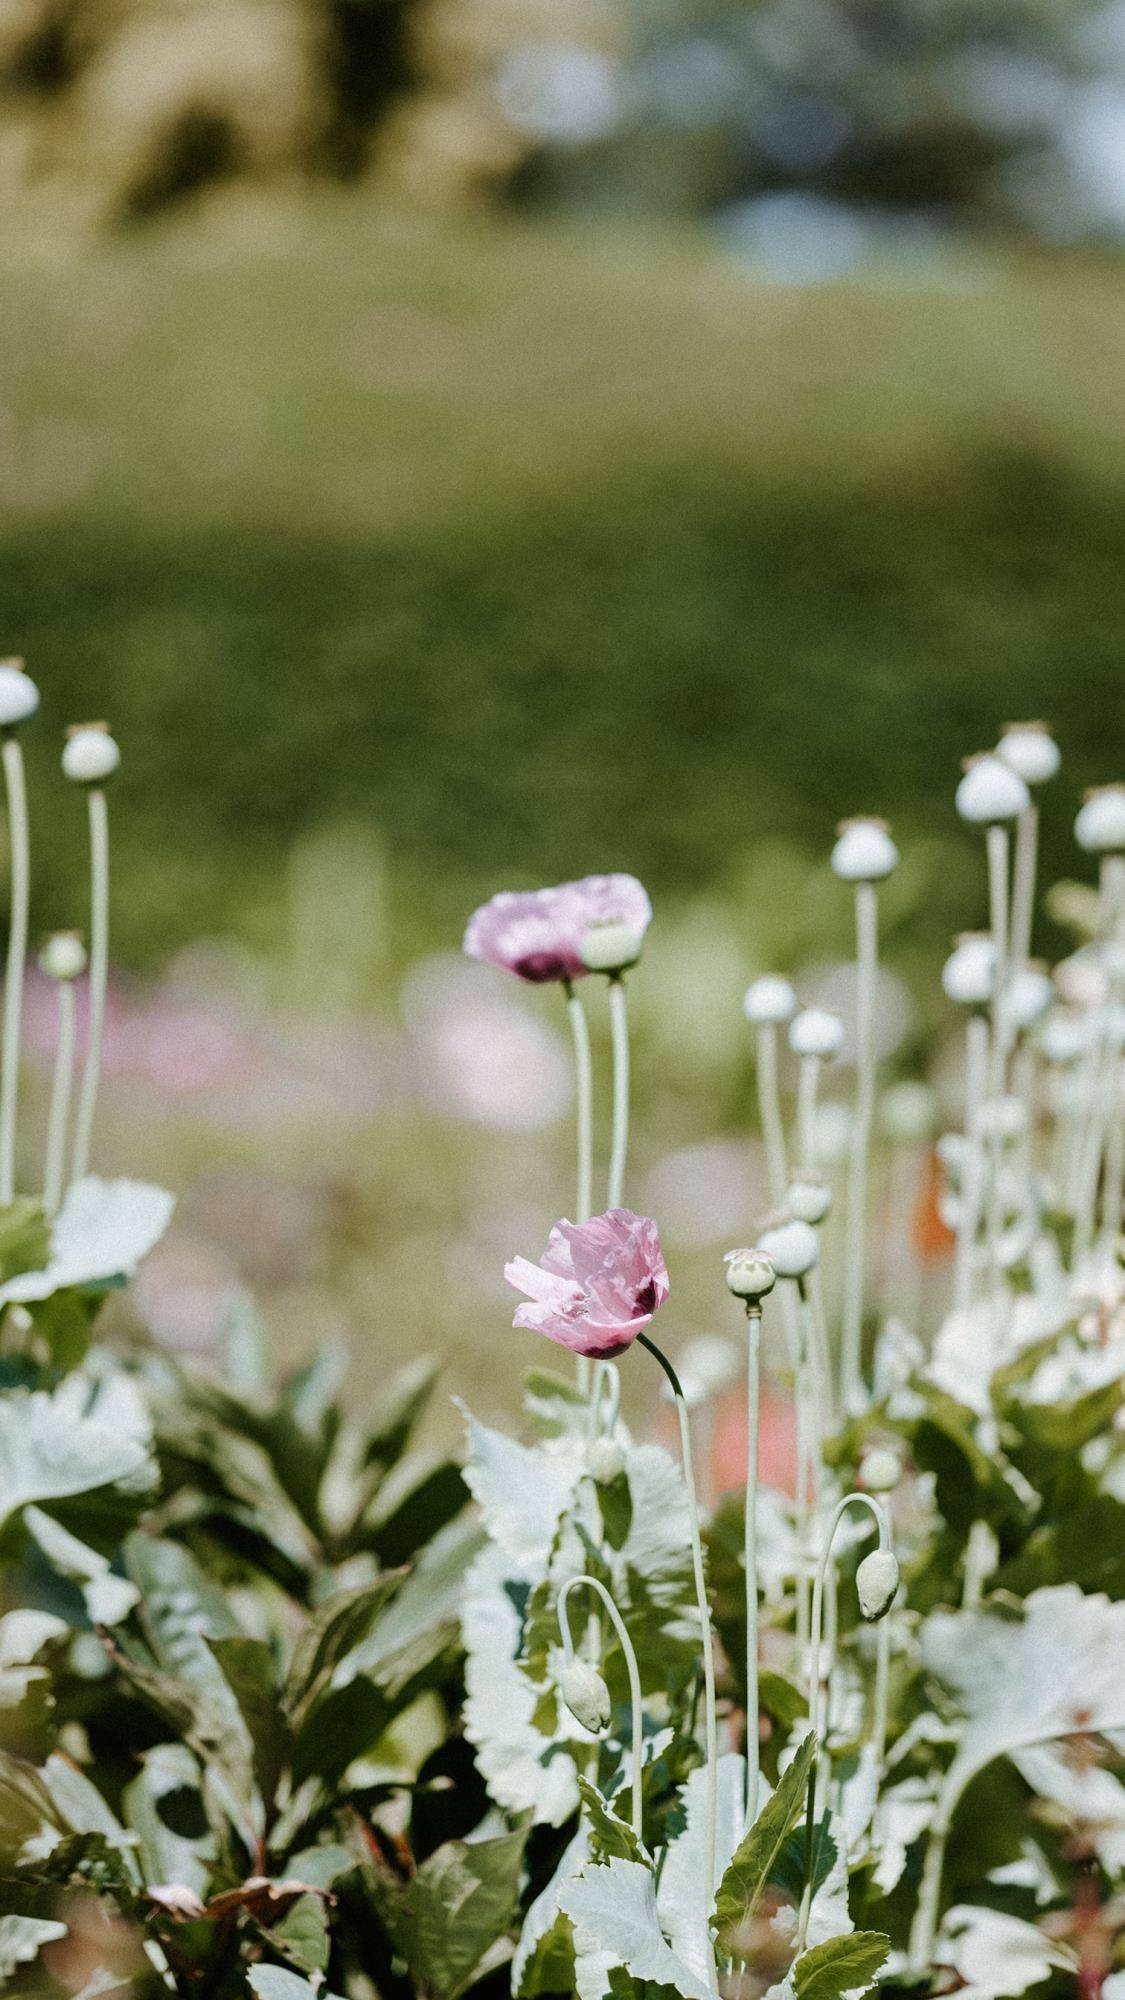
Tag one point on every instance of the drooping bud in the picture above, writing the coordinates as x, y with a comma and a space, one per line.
586, 1695
750, 1274
19, 696
876, 1580
90, 755
605, 1460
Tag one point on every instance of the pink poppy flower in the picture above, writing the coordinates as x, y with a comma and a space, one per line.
533, 933
539, 933
598, 1283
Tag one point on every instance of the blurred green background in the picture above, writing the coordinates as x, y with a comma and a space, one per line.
464, 444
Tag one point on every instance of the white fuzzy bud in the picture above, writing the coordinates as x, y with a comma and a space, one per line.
63, 956
968, 973
876, 1580
815, 1032
1064, 1038
991, 791
1029, 749
586, 1695
809, 1197
864, 851
90, 755
1100, 826
880, 1470
792, 1248
750, 1274
19, 696
1029, 996
769, 1001
605, 1460
610, 948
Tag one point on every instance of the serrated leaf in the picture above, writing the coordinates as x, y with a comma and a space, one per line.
613, 1910
22, 1939
609, 1835
100, 1233
841, 1965
749, 1871
453, 1910
47, 1453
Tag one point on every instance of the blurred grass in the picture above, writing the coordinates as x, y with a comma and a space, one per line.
544, 548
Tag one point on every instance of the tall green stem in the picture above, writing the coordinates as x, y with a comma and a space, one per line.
968, 1213
1023, 885
635, 1709
17, 952
866, 924
619, 1030
769, 1111
710, 1723
99, 974
584, 1102
62, 1081
750, 1551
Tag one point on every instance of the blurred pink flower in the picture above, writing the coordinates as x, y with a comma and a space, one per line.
598, 1283
538, 933
531, 932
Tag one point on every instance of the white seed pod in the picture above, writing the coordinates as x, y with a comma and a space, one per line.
610, 948
792, 1247
991, 791
63, 956
750, 1274
808, 1197
970, 970
605, 1460
586, 1695
816, 1032
19, 696
1064, 1038
1029, 749
876, 1580
90, 755
1081, 979
1100, 826
769, 1001
880, 1470
1029, 996
864, 851
1002, 1118
907, 1111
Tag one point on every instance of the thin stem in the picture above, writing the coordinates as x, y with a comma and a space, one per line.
882, 1691
866, 921
619, 1029
1113, 1184
769, 1110
924, 1927
808, 1077
584, 1100
17, 952
61, 1085
1111, 896
1023, 886
710, 1724
636, 1712
750, 1552
997, 848
968, 1212
99, 973
818, 1777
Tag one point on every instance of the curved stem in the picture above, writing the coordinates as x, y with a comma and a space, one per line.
17, 952
818, 1777
636, 1712
584, 1103
61, 1085
750, 1552
619, 1029
866, 924
769, 1111
99, 973
710, 1725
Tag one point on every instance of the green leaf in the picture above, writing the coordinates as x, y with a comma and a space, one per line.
553, 1401
248, 1669
335, 1628
25, 1236
451, 1914
48, 1452
840, 1965
609, 1835
1068, 1426
65, 1322
272, 1982
780, 1697
302, 1934
418, 1497
389, 1425
27, 1810
108, 1598
754, 1860
164, 1808
245, 1347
